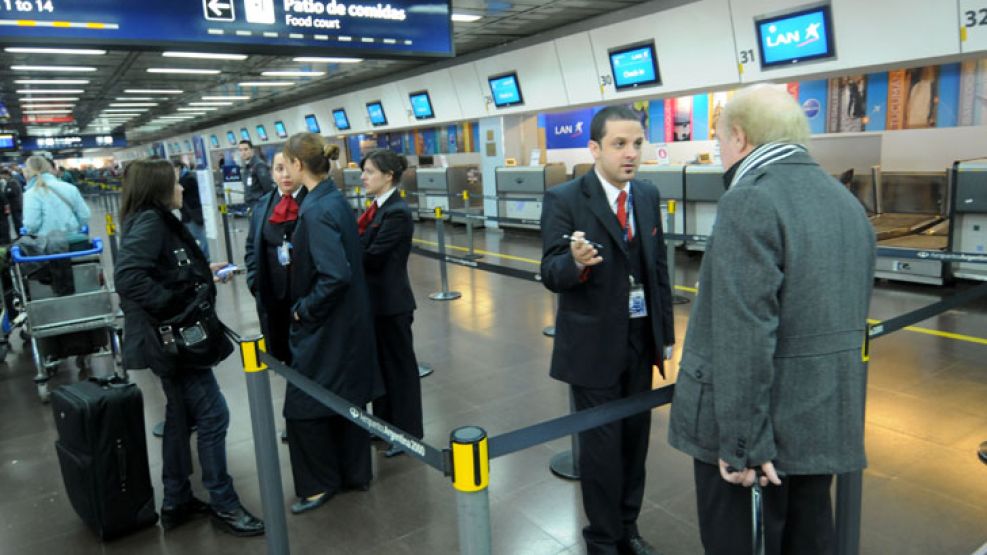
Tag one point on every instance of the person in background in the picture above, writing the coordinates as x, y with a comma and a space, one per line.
66, 175
332, 334
192, 215
386, 229
268, 258
51, 205
604, 254
772, 377
13, 201
160, 273
257, 180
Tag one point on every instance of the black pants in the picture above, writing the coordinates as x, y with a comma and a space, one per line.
328, 455
276, 336
402, 403
612, 457
798, 515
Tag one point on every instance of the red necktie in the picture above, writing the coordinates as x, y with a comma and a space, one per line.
622, 215
285, 211
366, 217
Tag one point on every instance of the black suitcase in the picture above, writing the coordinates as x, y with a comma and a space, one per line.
102, 452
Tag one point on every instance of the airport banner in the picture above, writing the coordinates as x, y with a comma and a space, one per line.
947, 109
967, 93
568, 129
897, 96
700, 117
877, 101
813, 97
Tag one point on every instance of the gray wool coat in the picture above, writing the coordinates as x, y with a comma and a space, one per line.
772, 366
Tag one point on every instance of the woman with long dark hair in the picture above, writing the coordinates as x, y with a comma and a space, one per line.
168, 299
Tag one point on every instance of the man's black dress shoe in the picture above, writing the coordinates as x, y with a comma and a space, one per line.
637, 546
238, 522
393, 451
173, 517
304, 505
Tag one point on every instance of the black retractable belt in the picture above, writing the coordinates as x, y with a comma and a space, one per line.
926, 312
485, 266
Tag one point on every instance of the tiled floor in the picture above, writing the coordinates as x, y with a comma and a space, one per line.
924, 491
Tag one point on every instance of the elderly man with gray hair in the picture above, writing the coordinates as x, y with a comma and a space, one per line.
772, 378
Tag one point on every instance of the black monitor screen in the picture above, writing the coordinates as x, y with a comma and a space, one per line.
795, 37
421, 105
280, 129
634, 66
312, 124
506, 90
376, 112
339, 118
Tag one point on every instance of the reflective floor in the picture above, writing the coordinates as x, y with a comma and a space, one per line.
924, 492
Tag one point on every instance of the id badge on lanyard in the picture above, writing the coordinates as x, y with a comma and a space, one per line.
638, 304
284, 253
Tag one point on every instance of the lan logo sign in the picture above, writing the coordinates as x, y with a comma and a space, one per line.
796, 37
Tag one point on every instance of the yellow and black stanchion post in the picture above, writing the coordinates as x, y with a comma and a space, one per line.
471, 477
470, 221
111, 236
445, 294
224, 210
672, 206
359, 198
265, 444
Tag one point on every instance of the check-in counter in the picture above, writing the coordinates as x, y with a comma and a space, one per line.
702, 191
409, 185
520, 191
353, 182
580, 170
433, 191
969, 217
445, 186
670, 182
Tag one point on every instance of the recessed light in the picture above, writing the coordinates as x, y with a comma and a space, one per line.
225, 98
50, 99
125, 110
132, 104
136, 98
210, 103
50, 91
318, 60
43, 106
197, 109
47, 111
267, 84
205, 55
54, 68
51, 81
67, 51
465, 17
180, 70
153, 91
176, 117
293, 73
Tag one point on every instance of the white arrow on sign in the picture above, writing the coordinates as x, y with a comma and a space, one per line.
218, 10
218, 7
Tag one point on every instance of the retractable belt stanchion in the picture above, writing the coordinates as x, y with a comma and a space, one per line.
670, 253
111, 234
849, 494
265, 445
549, 331
566, 464
224, 210
471, 255
470, 477
445, 294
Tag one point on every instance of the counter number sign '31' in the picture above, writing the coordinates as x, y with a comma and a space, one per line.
219, 10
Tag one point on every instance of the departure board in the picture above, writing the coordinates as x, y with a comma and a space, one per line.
361, 27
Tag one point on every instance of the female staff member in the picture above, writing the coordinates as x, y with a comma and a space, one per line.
331, 333
49, 204
386, 229
166, 290
268, 257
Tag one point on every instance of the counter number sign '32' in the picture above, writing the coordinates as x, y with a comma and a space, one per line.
975, 17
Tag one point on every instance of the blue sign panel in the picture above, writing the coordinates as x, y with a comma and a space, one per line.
813, 96
505, 90
568, 129
376, 113
634, 66
796, 37
199, 147
339, 118
393, 29
312, 123
8, 141
421, 105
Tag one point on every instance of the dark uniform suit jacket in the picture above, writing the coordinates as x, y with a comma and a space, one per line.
591, 327
333, 342
386, 246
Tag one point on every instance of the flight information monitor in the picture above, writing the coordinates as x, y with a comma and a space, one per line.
214, 141
505, 90
244, 134
376, 112
231, 138
392, 29
634, 66
421, 105
339, 118
261, 132
280, 129
795, 37
312, 124
8, 141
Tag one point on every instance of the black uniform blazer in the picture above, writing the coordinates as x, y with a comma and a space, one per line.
255, 257
591, 326
386, 246
151, 285
333, 343
258, 181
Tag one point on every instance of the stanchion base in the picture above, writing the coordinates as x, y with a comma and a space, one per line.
472, 256
548, 331
158, 430
445, 295
424, 370
563, 466
679, 299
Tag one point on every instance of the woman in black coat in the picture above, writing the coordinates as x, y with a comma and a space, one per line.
331, 334
386, 229
168, 299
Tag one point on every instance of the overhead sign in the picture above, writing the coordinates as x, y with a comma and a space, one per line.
71, 142
361, 27
568, 129
796, 37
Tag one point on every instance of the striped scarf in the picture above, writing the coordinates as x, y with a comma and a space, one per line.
764, 155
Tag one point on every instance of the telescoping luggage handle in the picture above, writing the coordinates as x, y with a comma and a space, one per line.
18, 256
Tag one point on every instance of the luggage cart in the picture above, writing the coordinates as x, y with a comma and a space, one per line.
82, 324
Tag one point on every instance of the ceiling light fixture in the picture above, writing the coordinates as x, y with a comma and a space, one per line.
54, 68
293, 73
32, 112
225, 98
122, 114
125, 110
268, 84
136, 98
43, 106
51, 81
176, 117
197, 109
67, 51
465, 17
183, 71
205, 55
51, 99
153, 91
132, 104
50, 91
318, 60
210, 103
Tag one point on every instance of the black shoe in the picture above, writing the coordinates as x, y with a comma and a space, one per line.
636, 546
305, 505
173, 517
238, 522
356, 487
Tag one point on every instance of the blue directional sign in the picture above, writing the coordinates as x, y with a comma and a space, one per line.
394, 28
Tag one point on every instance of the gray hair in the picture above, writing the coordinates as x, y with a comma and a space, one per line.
37, 165
766, 114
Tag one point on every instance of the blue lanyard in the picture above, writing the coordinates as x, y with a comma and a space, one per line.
629, 207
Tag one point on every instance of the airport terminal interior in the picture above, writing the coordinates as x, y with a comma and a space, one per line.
491, 103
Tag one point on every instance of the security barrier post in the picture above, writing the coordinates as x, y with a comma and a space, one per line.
848, 500
566, 464
265, 444
224, 209
470, 477
359, 199
111, 234
471, 255
549, 331
445, 294
670, 252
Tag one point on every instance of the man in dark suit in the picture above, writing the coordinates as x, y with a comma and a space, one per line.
256, 175
603, 253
